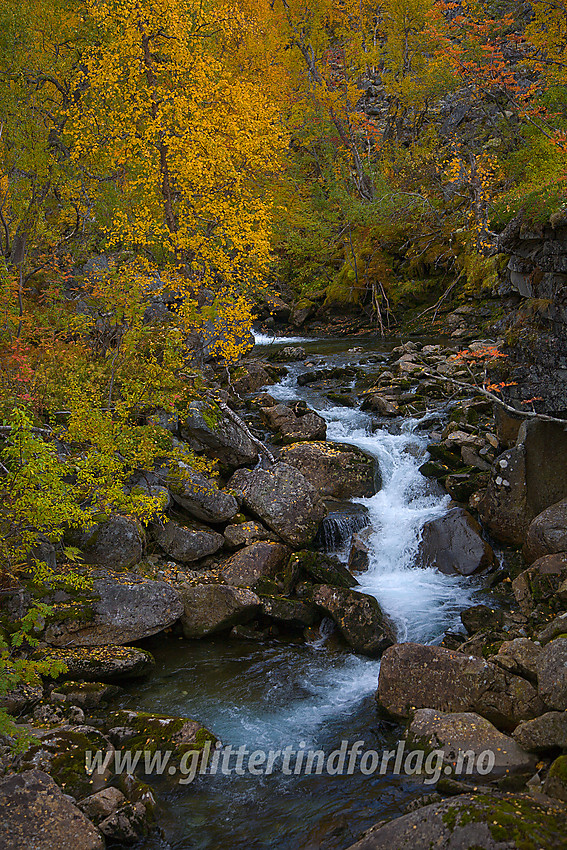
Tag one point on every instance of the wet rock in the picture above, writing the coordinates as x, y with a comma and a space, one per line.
556, 781
246, 567
93, 663
116, 544
453, 544
122, 608
127, 825
359, 556
186, 543
200, 497
359, 618
380, 405
342, 521
37, 814
101, 805
207, 428
87, 694
540, 582
487, 821
295, 422
334, 469
542, 734
481, 617
552, 674
322, 569
413, 676
244, 534
291, 612
151, 731
211, 608
283, 499
547, 534
463, 732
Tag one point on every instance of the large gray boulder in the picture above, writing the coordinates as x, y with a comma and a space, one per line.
453, 544
200, 497
123, 607
207, 428
552, 674
37, 815
465, 732
358, 616
283, 499
245, 533
294, 422
540, 582
263, 559
186, 543
117, 543
520, 656
543, 734
470, 822
547, 534
211, 608
413, 676
525, 481
334, 469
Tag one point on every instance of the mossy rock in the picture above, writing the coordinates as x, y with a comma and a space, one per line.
322, 569
100, 663
161, 731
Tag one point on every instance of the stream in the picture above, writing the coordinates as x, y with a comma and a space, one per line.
276, 693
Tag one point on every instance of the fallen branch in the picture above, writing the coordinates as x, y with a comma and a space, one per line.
242, 424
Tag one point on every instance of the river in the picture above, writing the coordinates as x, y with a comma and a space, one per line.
276, 693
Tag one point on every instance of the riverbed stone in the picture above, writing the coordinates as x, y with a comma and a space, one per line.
413, 676
294, 422
489, 821
123, 607
206, 428
323, 569
197, 495
547, 534
142, 730
101, 663
245, 533
211, 608
291, 612
520, 656
358, 616
37, 815
263, 559
283, 499
552, 674
188, 542
461, 732
334, 469
454, 545
360, 550
540, 582
544, 733
101, 805
117, 543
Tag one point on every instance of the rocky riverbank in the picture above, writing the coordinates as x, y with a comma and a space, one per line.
242, 554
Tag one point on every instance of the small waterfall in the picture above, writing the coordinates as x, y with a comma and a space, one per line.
336, 530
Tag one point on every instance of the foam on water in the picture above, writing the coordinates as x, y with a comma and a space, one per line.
271, 339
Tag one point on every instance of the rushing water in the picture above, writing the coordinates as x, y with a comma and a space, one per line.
279, 693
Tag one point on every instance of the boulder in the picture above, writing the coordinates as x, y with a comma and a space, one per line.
540, 582
453, 544
246, 567
552, 674
125, 826
244, 534
322, 569
556, 628
520, 656
211, 608
186, 543
200, 497
360, 550
556, 781
37, 815
124, 607
463, 732
141, 730
206, 428
380, 405
283, 499
547, 534
542, 734
101, 805
254, 376
87, 694
413, 676
117, 543
106, 663
479, 618
358, 616
294, 422
290, 612
334, 469
344, 518
474, 821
